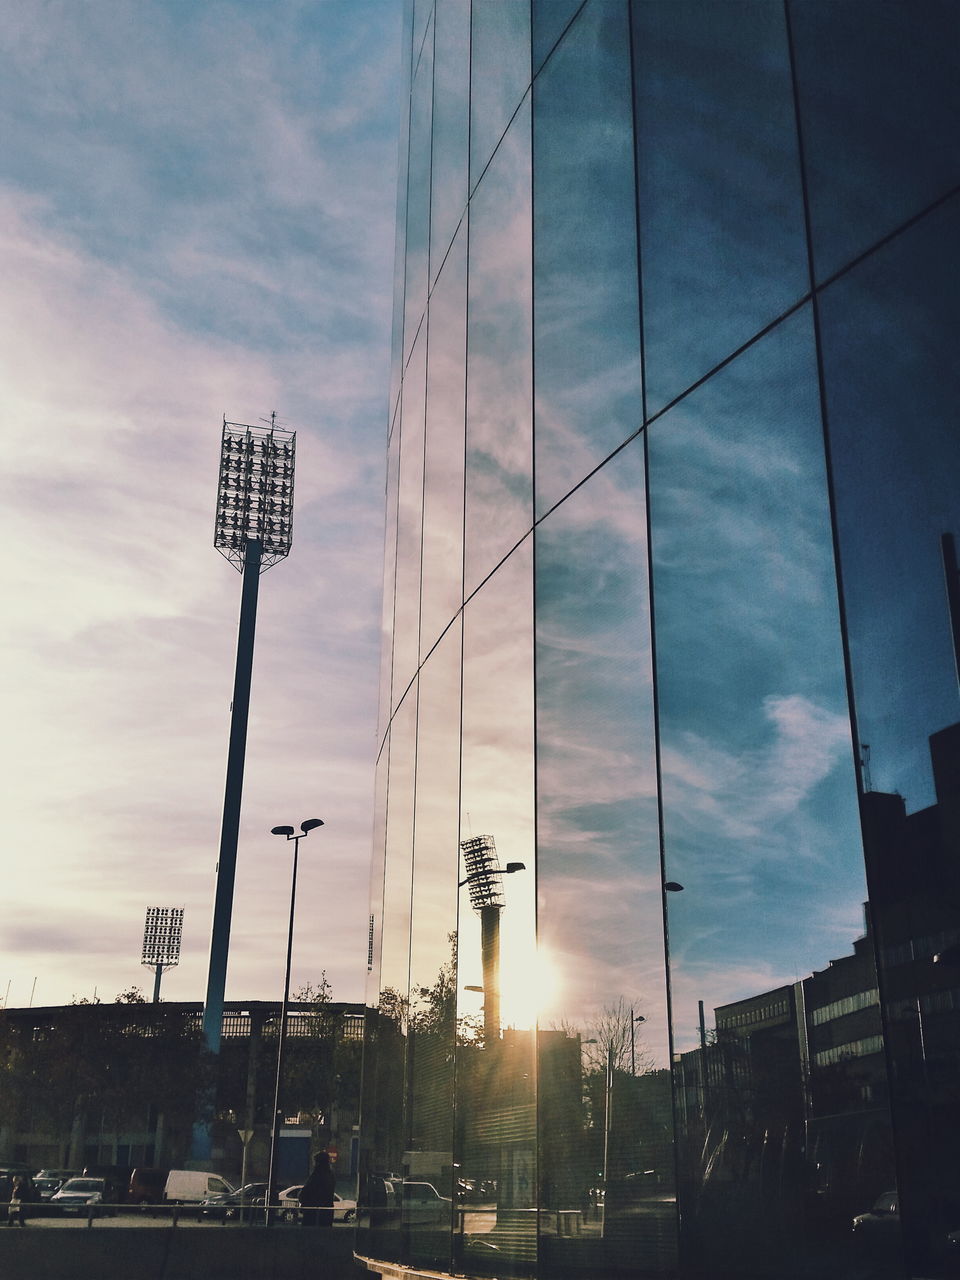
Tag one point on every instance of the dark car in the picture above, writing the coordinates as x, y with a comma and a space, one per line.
146, 1186
82, 1195
228, 1204
47, 1181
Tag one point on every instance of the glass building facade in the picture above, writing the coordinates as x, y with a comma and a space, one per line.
665, 932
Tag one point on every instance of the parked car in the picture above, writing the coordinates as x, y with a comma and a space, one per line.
227, 1204
47, 1181
147, 1186
423, 1203
343, 1210
882, 1220
77, 1195
193, 1186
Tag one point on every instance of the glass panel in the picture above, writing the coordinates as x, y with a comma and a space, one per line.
781, 1140
418, 195
443, 464
587, 311
389, 584
500, 59
451, 122
397, 347
428, 1160
495, 1123
409, 520
549, 21
499, 373
386, 1135
891, 330
607, 1196
721, 214
880, 104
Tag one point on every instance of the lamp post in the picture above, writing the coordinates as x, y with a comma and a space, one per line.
633, 1060
305, 828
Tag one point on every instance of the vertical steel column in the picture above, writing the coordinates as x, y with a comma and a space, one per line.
233, 791
490, 954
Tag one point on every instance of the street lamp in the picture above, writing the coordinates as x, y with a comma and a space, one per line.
485, 880
296, 837
633, 1059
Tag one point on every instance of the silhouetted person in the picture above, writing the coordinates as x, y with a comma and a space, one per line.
19, 1195
316, 1194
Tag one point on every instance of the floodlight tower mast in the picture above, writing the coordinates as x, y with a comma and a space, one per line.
162, 932
485, 880
254, 529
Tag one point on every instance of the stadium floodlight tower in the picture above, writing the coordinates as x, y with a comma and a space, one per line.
254, 529
485, 881
162, 932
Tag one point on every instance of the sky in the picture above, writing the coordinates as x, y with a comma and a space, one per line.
197, 209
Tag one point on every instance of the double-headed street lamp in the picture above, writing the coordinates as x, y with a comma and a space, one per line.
305, 828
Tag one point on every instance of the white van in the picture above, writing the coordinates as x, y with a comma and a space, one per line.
190, 1186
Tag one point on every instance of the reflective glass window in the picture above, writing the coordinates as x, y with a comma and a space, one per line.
406, 611
500, 75
389, 585
444, 458
879, 95
417, 241
451, 122
499, 498
587, 343
549, 21
607, 1193
721, 216
495, 1142
760, 821
891, 329
433, 957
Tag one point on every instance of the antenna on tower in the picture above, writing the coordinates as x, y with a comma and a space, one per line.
865, 766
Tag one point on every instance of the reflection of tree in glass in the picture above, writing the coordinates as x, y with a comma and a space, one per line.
617, 1037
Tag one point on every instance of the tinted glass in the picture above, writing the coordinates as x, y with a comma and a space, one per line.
587, 339
760, 821
880, 106
549, 21
389, 584
496, 1128
409, 519
500, 75
433, 955
890, 331
396, 361
721, 222
443, 464
451, 121
605, 1126
417, 242
499, 372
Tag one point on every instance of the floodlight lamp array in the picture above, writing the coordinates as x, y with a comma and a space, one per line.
162, 933
484, 876
255, 492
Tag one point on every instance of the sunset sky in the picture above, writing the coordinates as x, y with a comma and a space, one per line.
197, 207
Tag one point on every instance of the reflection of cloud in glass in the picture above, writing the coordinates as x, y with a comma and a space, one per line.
759, 796
721, 229
499, 370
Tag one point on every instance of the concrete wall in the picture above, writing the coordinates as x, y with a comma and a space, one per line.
177, 1253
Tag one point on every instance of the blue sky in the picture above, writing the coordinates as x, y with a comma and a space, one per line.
197, 209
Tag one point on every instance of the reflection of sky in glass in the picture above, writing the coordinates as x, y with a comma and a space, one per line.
418, 195
721, 227
497, 767
395, 941
891, 331
880, 106
587, 314
549, 21
759, 798
443, 463
599, 912
499, 368
500, 60
450, 123
409, 522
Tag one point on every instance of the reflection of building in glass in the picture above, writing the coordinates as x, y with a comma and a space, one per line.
676, 323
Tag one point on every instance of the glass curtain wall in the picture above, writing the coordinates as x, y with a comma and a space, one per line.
665, 971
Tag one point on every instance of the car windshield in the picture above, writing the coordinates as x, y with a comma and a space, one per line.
84, 1184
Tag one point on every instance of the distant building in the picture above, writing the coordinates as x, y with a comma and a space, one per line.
115, 1084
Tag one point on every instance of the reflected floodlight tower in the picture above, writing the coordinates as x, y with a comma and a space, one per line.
162, 932
254, 529
485, 879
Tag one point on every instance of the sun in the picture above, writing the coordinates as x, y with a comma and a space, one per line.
529, 984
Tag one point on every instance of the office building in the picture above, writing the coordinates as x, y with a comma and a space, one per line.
671, 613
